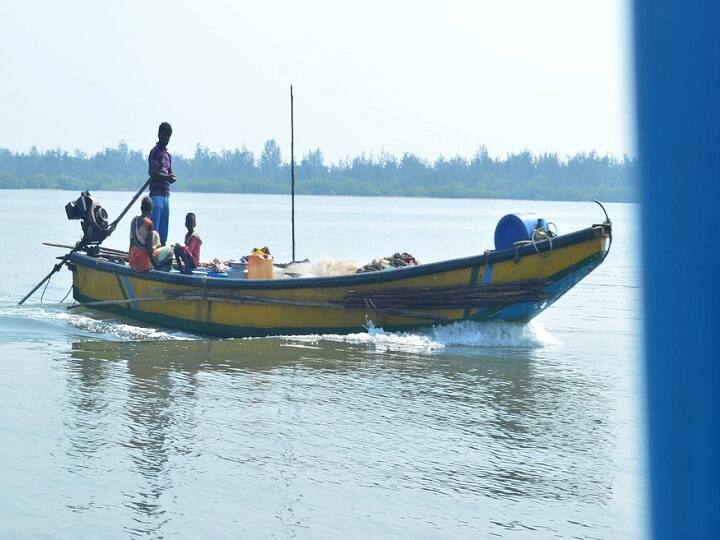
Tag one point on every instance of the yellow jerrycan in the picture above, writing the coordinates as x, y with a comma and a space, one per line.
260, 264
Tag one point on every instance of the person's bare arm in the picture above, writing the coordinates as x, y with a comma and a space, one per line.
149, 247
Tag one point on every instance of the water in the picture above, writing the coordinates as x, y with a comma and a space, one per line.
470, 431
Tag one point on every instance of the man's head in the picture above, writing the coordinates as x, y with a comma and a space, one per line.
190, 221
164, 134
146, 206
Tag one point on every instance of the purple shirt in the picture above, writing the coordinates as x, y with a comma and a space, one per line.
161, 155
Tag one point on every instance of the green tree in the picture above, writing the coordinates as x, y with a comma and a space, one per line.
270, 160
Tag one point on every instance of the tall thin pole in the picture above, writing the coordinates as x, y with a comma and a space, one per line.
292, 170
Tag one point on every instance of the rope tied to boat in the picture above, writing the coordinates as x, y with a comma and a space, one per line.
448, 297
539, 235
67, 294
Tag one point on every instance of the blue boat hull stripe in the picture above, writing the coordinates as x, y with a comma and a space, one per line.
473, 280
487, 278
127, 289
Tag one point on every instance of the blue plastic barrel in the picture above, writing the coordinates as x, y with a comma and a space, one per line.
516, 227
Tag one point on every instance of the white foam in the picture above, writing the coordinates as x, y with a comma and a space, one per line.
460, 334
57, 313
494, 334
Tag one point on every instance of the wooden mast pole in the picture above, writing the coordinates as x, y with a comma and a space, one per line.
292, 171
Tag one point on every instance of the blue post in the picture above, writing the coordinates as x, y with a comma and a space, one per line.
677, 66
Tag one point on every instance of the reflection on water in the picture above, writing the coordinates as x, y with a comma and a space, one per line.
311, 428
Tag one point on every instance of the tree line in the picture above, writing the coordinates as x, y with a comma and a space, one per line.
516, 176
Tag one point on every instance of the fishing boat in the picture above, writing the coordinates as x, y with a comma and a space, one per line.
529, 269
514, 283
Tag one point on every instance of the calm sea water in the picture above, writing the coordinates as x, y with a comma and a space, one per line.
115, 430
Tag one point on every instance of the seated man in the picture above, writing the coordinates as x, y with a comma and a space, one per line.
145, 249
188, 256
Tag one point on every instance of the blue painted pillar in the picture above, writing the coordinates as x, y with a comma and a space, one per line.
677, 67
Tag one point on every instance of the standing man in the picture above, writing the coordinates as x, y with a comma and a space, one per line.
161, 176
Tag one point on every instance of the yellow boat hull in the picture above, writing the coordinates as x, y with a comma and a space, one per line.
238, 308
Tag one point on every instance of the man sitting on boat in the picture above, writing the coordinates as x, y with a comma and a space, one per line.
145, 249
188, 256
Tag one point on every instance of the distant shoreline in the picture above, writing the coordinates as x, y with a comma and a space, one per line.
398, 196
582, 177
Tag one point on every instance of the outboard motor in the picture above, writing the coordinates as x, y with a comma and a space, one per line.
93, 220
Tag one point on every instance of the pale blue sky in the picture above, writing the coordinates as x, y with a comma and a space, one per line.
426, 77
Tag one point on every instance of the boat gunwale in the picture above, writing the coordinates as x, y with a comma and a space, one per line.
491, 257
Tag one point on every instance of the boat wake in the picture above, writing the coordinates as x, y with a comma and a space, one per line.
461, 334
43, 321
54, 320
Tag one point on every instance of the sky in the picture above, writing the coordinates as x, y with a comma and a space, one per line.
432, 78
